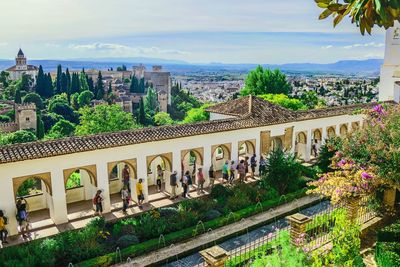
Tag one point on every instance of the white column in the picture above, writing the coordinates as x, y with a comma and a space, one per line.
337, 130
58, 212
293, 149
7, 204
104, 185
308, 147
207, 162
142, 174
177, 166
234, 151
324, 134
258, 151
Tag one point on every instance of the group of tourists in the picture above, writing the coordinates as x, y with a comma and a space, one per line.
243, 170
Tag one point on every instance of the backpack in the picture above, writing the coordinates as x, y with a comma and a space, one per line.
95, 200
22, 215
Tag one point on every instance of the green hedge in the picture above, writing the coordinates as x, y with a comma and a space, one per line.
390, 233
388, 254
175, 237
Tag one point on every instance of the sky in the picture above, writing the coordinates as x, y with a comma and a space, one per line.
223, 31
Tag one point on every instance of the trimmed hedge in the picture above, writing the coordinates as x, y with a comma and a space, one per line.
153, 244
390, 233
388, 254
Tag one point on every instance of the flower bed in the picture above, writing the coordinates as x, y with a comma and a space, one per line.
388, 246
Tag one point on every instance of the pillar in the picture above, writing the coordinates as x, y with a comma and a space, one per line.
307, 155
352, 206
207, 162
58, 211
324, 135
298, 223
104, 185
389, 197
7, 204
214, 256
234, 151
89, 189
142, 174
258, 152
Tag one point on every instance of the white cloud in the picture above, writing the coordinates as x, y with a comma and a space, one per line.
3, 44
124, 50
327, 47
51, 45
371, 44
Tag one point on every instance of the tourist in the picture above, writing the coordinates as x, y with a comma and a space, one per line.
263, 166
211, 176
173, 183
190, 179
126, 177
253, 165
225, 172
160, 176
125, 198
98, 202
246, 167
139, 192
242, 171
314, 148
185, 184
3, 230
200, 181
232, 172
22, 217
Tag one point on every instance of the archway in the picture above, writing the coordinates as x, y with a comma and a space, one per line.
159, 166
343, 130
80, 186
220, 154
276, 143
331, 132
246, 149
301, 145
36, 191
355, 126
191, 160
117, 172
316, 142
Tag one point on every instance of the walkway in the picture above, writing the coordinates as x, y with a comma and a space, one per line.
200, 241
82, 212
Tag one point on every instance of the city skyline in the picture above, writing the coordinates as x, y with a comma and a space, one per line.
226, 32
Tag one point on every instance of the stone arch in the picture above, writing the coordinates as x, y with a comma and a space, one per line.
331, 132
276, 143
91, 171
165, 161
317, 135
130, 162
302, 138
343, 130
186, 156
116, 183
355, 126
220, 153
44, 177
246, 148
301, 145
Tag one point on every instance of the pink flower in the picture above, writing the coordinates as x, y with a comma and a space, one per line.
366, 176
379, 109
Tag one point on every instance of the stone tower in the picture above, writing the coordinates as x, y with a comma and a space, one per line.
163, 100
390, 70
25, 116
20, 61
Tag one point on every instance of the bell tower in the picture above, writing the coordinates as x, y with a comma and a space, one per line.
20, 61
390, 70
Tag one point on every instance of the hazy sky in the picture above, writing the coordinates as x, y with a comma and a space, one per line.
230, 31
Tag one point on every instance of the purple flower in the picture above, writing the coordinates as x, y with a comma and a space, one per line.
366, 176
379, 109
341, 163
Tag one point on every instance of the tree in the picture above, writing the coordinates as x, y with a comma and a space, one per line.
65, 110
39, 127
104, 118
134, 86
17, 98
197, 115
366, 14
151, 105
26, 82
283, 171
84, 98
265, 81
311, 100
74, 101
58, 80
142, 114
49, 120
5, 78
40, 87
75, 85
122, 68
141, 86
83, 82
34, 98
100, 87
62, 128
18, 137
49, 85
163, 118
284, 101
64, 83
68, 75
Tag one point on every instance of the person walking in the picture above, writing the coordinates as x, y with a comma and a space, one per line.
185, 184
232, 172
253, 165
98, 203
314, 148
3, 230
140, 194
225, 172
22, 217
263, 166
242, 171
246, 167
211, 176
125, 199
160, 176
173, 183
200, 181
126, 177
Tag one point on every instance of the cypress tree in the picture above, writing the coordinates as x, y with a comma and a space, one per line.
109, 88
142, 113
39, 127
64, 83
40, 87
48, 85
58, 79
75, 85
100, 87
17, 97
141, 86
90, 84
68, 75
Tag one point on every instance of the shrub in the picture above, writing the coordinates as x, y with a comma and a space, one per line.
238, 201
388, 254
212, 214
390, 233
127, 240
168, 212
220, 191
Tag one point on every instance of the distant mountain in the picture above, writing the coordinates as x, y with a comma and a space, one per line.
344, 67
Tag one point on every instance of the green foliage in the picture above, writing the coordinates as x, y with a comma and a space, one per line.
17, 97
104, 118
390, 233
326, 152
127, 240
366, 14
181, 102
284, 101
197, 114
17, 137
283, 171
64, 109
265, 81
62, 128
49, 119
74, 180
43, 88
26, 187
74, 101
100, 92
151, 104
34, 98
142, 119
84, 98
388, 254
39, 127
163, 118
311, 100
5, 78
4, 118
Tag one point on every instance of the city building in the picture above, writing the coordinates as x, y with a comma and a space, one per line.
21, 67
25, 118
